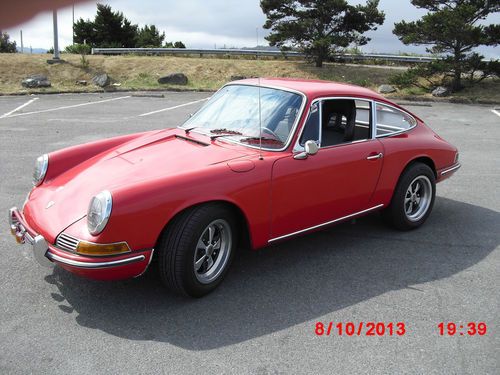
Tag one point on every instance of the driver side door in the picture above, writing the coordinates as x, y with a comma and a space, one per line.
338, 181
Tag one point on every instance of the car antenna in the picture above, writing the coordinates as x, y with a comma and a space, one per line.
260, 122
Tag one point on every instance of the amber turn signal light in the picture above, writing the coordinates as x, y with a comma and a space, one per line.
95, 249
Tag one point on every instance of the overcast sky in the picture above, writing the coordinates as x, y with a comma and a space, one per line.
205, 24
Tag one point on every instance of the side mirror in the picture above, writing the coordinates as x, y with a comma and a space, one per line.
310, 147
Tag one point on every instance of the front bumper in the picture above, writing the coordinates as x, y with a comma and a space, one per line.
23, 233
102, 268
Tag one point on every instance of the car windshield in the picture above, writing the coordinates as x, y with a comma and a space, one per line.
233, 112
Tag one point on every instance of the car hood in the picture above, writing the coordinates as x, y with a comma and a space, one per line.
60, 202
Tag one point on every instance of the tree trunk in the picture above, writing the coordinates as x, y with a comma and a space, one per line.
456, 84
319, 62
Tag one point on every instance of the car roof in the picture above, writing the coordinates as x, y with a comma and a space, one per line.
314, 88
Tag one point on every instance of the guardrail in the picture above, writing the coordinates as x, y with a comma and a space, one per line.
253, 52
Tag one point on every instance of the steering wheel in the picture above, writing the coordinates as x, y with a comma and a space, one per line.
273, 134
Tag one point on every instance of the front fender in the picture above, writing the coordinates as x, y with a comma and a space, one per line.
142, 210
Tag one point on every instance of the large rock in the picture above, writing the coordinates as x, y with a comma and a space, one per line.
101, 80
36, 80
441, 91
174, 79
386, 89
237, 78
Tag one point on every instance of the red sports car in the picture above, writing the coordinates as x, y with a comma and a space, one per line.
261, 162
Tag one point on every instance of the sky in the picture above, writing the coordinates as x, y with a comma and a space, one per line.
214, 23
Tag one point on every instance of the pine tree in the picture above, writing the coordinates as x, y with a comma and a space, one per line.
319, 28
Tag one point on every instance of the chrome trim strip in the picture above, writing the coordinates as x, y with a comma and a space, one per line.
327, 223
87, 265
292, 131
451, 169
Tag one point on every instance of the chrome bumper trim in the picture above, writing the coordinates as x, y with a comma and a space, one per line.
38, 244
150, 259
88, 265
452, 169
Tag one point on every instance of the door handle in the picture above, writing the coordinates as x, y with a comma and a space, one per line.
373, 157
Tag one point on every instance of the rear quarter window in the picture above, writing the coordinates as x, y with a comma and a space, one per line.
391, 120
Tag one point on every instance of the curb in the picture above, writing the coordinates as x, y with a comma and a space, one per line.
407, 98
101, 91
451, 99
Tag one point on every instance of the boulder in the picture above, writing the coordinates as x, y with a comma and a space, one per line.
81, 82
386, 89
441, 91
174, 79
237, 78
36, 80
101, 80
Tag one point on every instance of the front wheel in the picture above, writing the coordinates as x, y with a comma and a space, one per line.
413, 198
197, 248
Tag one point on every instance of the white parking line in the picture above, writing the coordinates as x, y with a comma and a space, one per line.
18, 108
495, 112
69, 106
175, 107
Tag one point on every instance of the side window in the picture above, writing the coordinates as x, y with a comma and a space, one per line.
345, 121
391, 120
311, 127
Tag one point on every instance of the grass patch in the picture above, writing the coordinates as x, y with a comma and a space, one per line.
133, 72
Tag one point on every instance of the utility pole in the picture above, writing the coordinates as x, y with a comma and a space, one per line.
55, 59
56, 42
22, 45
73, 25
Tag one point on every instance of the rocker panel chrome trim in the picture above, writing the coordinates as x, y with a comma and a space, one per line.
324, 224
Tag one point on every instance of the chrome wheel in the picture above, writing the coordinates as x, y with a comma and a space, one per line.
212, 251
418, 198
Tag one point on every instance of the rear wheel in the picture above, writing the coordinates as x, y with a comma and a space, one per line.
413, 198
197, 248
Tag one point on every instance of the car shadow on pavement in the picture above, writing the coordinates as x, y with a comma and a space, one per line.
287, 284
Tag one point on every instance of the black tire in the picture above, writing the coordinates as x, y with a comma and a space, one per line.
396, 213
178, 244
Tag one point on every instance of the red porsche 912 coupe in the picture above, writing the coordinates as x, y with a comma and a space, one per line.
262, 161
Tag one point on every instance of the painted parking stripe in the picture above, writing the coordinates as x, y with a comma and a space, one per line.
18, 108
496, 112
174, 107
69, 106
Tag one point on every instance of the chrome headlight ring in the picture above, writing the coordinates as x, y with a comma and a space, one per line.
41, 166
99, 212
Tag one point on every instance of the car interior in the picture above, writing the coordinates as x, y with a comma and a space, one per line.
343, 121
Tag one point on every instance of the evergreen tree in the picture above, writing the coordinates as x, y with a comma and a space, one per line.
452, 27
149, 36
321, 27
6, 46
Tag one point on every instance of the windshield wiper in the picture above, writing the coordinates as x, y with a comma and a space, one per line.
258, 140
187, 130
216, 133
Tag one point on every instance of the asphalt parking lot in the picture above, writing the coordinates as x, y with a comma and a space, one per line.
262, 318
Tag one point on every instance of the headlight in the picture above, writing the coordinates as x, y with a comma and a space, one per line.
99, 212
41, 165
